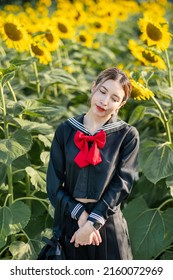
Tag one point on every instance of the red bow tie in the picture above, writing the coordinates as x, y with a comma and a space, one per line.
89, 156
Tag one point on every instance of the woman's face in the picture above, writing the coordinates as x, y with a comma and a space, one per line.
107, 98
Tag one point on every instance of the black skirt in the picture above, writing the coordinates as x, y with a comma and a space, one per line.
115, 243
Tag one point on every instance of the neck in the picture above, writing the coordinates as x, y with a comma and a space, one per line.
92, 122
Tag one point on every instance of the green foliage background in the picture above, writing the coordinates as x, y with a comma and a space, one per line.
28, 122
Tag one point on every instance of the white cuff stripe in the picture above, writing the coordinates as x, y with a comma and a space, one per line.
75, 210
97, 217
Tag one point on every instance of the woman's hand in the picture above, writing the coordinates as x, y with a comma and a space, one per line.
86, 235
83, 218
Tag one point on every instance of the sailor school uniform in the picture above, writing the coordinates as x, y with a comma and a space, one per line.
101, 167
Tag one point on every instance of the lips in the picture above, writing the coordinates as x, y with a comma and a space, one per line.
100, 109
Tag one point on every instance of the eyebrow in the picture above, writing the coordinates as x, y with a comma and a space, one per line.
113, 93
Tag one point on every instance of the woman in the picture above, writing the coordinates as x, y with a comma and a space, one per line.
93, 160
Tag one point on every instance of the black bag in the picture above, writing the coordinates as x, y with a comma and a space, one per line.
53, 249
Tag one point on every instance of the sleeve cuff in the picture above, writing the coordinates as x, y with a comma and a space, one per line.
94, 217
77, 211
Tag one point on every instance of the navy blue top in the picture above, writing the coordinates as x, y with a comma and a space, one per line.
109, 182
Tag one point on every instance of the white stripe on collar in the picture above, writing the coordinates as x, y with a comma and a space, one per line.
78, 125
112, 125
106, 127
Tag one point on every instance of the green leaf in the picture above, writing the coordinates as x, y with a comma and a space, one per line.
168, 255
3, 172
151, 230
152, 193
137, 114
25, 251
107, 52
38, 178
20, 216
152, 112
45, 157
2, 241
8, 70
19, 62
168, 91
19, 166
14, 147
7, 77
13, 219
30, 126
45, 140
57, 76
38, 109
5, 221
156, 160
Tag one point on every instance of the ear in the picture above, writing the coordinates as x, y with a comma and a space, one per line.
93, 86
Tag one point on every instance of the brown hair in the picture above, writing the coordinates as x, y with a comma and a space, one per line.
116, 75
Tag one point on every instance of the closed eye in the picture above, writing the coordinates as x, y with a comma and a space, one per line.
115, 99
102, 91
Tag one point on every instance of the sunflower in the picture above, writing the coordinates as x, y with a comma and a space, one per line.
84, 38
139, 92
146, 56
51, 39
41, 52
155, 33
14, 33
64, 28
97, 24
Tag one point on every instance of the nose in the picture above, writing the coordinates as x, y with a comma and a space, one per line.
104, 100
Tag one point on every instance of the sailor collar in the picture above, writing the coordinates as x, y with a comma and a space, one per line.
110, 126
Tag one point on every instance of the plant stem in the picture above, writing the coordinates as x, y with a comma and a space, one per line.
13, 94
10, 183
36, 74
169, 69
165, 120
34, 198
165, 202
169, 75
4, 249
27, 181
59, 57
54, 85
6, 134
4, 112
12, 91
2, 51
6, 199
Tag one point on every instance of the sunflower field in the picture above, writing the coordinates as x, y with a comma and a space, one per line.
50, 52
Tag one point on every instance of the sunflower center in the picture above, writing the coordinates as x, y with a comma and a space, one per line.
149, 57
154, 32
12, 32
82, 38
97, 25
62, 27
36, 50
136, 92
49, 37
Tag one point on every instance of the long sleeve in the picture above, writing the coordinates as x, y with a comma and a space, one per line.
56, 175
121, 183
